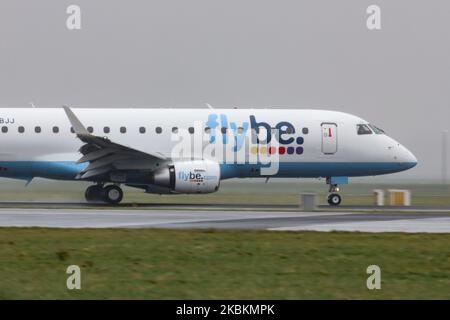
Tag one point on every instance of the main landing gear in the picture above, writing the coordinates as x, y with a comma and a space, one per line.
112, 194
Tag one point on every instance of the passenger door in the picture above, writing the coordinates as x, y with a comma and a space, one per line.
329, 138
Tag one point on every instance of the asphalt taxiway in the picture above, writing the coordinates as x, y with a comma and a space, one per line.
226, 219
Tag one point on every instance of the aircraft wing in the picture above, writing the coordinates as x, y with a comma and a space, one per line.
105, 156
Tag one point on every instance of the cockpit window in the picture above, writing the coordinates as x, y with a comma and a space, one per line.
376, 129
363, 129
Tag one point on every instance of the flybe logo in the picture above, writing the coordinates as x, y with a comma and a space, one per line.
262, 134
190, 176
194, 176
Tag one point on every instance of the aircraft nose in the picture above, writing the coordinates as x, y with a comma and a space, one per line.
412, 158
407, 159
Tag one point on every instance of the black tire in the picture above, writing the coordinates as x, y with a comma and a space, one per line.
112, 194
93, 193
334, 199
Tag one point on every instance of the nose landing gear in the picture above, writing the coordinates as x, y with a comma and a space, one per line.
334, 199
111, 194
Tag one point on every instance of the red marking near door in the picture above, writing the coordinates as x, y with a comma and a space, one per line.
329, 132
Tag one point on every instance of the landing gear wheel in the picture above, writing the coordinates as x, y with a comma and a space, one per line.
112, 194
93, 193
334, 199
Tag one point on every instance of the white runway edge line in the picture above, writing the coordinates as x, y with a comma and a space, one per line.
431, 225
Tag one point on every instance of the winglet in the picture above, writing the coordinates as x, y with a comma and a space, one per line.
76, 124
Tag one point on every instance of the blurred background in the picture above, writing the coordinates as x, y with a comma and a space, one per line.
292, 54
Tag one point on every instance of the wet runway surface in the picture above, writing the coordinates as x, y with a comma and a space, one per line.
223, 219
209, 206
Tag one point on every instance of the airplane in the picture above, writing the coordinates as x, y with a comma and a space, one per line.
140, 148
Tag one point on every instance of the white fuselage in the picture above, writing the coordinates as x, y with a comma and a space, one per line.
32, 146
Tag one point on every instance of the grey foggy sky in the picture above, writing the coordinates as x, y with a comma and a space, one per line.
304, 54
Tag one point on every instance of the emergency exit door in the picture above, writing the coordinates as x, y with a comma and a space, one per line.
329, 138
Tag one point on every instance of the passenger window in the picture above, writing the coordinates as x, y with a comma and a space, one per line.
37, 129
123, 129
55, 129
363, 129
90, 129
207, 130
106, 130
174, 130
4, 129
305, 130
21, 129
223, 130
191, 130
142, 129
71, 130
158, 130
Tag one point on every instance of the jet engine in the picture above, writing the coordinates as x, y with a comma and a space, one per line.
196, 176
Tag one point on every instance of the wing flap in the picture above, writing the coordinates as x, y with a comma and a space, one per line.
95, 172
109, 160
94, 155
